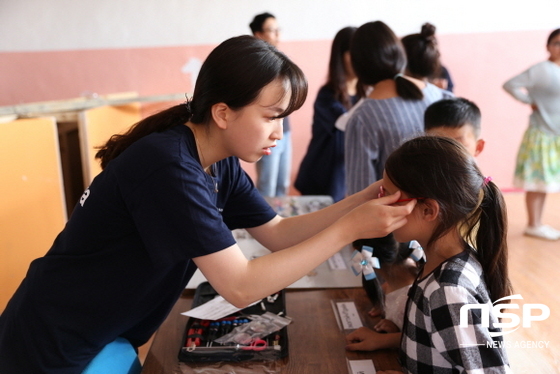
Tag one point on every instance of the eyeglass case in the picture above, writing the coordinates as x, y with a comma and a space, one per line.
198, 338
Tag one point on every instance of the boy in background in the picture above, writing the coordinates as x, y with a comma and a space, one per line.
456, 118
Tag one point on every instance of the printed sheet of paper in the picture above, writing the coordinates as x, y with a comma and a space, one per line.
336, 262
214, 309
346, 314
361, 367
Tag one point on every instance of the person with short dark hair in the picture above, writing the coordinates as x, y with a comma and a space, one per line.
273, 170
264, 26
458, 119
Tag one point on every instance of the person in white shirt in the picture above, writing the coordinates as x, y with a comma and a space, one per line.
537, 169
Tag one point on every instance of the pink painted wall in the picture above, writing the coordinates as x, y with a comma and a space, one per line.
479, 63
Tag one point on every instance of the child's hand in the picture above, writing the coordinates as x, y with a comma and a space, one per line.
375, 312
386, 325
363, 339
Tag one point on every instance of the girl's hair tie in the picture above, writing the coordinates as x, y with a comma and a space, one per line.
397, 75
487, 179
188, 105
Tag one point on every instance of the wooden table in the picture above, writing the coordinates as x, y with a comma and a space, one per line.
316, 343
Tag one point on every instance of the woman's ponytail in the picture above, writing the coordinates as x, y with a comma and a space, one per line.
176, 115
407, 89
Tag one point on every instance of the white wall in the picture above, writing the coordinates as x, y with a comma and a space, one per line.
48, 25
61, 49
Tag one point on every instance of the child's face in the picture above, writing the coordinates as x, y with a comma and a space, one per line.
464, 135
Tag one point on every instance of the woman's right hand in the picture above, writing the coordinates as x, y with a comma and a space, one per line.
376, 218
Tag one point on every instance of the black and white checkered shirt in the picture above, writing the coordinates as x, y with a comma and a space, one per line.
433, 341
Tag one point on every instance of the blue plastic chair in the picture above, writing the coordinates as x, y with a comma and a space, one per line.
118, 357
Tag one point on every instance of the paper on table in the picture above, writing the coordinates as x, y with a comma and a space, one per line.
346, 314
361, 367
336, 262
214, 309
331, 274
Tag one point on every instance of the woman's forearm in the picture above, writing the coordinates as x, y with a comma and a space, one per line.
282, 233
241, 281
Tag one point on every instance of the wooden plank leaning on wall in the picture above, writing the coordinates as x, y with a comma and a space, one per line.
33, 209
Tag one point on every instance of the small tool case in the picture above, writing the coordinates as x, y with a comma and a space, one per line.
199, 338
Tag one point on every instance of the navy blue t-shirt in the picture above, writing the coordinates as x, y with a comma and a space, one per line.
124, 257
321, 171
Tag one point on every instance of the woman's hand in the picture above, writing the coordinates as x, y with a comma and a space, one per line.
372, 191
376, 218
386, 325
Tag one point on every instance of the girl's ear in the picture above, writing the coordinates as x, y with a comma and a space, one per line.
221, 115
429, 210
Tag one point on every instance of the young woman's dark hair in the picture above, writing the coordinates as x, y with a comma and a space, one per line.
336, 80
552, 35
377, 54
422, 53
439, 168
234, 73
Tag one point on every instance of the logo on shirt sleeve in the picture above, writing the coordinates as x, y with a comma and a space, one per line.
84, 197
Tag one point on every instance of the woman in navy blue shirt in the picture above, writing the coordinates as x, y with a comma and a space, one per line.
170, 193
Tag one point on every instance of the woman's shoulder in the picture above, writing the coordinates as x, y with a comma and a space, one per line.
157, 151
540, 68
325, 90
431, 91
326, 100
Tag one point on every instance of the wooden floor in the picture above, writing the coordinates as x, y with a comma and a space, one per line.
534, 267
